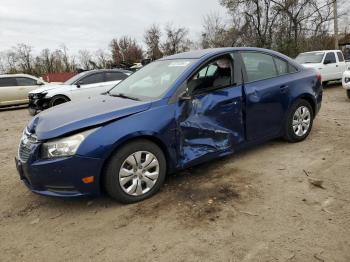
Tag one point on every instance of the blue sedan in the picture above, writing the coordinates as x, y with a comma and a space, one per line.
174, 113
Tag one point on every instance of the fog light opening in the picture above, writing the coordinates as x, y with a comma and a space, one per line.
88, 179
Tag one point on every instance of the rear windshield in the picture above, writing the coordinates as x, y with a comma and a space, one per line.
310, 58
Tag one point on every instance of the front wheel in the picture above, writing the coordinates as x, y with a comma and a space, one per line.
57, 100
299, 121
135, 172
348, 93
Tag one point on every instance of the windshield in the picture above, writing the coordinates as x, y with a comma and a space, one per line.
73, 79
308, 58
153, 80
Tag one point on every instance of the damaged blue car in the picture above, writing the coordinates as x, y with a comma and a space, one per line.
174, 113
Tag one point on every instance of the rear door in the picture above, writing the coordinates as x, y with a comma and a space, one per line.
210, 121
9, 92
24, 86
266, 88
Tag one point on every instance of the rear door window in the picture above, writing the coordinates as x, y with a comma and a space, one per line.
8, 81
92, 79
259, 66
25, 81
115, 76
282, 66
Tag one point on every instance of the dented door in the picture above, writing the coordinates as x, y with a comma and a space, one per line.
209, 124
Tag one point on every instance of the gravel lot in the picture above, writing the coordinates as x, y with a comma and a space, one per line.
258, 205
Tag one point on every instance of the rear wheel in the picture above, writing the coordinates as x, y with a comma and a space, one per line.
57, 100
348, 93
135, 172
299, 121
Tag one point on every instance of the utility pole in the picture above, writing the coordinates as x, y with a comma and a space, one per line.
335, 11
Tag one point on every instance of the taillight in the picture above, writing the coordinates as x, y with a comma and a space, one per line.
319, 77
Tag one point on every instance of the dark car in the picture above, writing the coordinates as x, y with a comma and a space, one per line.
174, 113
81, 86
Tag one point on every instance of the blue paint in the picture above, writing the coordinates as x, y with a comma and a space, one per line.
189, 132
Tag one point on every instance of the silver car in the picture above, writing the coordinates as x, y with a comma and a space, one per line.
14, 88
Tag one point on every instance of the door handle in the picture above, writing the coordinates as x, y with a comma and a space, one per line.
284, 88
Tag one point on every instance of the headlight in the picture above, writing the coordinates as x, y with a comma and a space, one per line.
66, 146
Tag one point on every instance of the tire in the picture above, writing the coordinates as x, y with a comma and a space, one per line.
325, 83
32, 111
299, 121
348, 93
128, 166
57, 100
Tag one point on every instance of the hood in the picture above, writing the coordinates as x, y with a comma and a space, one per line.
313, 65
48, 87
73, 116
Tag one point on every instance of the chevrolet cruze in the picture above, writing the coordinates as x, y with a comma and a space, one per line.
174, 113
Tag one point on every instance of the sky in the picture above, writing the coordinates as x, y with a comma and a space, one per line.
92, 24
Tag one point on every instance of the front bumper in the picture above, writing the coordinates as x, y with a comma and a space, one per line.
38, 102
61, 177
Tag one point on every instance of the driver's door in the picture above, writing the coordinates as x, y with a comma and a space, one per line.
210, 120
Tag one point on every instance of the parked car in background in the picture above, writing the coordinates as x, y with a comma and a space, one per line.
174, 113
330, 64
346, 82
84, 85
14, 88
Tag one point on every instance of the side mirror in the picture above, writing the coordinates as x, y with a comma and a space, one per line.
39, 83
326, 62
80, 83
185, 95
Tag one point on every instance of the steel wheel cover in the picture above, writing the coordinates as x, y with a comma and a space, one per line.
139, 173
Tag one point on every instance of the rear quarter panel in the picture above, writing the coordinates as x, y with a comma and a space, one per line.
306, 86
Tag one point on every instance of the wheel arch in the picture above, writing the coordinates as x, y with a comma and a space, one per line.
310, 100
150, 137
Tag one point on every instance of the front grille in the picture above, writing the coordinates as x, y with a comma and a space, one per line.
25, 146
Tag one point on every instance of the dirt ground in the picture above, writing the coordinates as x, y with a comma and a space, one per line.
257, 205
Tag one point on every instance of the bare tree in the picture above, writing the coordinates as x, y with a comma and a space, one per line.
125, 51
84, 58
103, 59
24, 58
152, 40
218, 33
176, 41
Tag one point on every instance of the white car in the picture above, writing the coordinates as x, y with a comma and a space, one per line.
84, 85
346, 81
329, 63
14, 88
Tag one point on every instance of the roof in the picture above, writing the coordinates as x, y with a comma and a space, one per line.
18, 75
196, 54
317, 51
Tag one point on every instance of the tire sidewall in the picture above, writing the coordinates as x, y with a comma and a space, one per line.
290, 136
55, 98
111, 176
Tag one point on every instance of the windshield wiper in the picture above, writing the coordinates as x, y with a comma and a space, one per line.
123, 96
